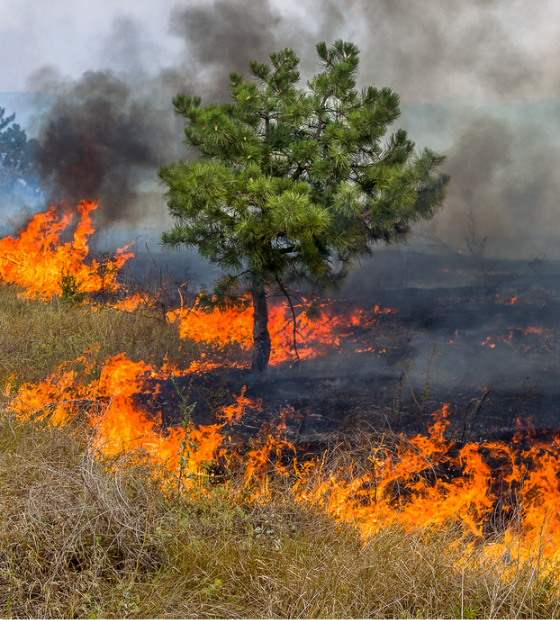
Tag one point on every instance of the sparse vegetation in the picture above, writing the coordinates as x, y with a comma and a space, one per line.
38, 336
87, 536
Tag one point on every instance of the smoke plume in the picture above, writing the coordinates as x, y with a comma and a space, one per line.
108, 131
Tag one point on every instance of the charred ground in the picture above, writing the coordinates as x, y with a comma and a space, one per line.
485, 339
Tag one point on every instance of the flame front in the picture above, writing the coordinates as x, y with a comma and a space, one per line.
314, 338
424, 482
119, 425
37, 261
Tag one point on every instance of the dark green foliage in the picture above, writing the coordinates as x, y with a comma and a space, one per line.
16, 157
291, 185
71, 289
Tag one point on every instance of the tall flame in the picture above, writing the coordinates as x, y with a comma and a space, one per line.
38, 261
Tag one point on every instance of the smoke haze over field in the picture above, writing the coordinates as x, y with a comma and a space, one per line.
478, 80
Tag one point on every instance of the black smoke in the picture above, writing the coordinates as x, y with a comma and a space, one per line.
97, 142
108, 131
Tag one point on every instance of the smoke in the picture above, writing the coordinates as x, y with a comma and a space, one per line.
224, 39
128, 48
504, 193
225, 36
108, 131
432, 49
99, 140
483, 75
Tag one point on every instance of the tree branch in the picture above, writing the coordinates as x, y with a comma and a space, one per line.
288, 297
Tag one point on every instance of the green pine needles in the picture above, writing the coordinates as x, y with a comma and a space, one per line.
293, 185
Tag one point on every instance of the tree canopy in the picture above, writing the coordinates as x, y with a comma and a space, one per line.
293, 185
16, 161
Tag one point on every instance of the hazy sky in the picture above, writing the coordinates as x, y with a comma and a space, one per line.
479, 79
423, 48
71, 34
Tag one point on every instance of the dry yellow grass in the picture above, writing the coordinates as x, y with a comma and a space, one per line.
36, 336
81, 536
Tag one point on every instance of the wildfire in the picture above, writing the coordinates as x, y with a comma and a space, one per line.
120, 426
233, 413
509, 339
313, 337
41, 264
422, 482
425, 481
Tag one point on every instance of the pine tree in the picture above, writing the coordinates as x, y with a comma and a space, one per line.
15, 151
294, 185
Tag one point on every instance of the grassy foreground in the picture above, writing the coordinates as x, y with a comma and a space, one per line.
81, 536
85, 538
36, 336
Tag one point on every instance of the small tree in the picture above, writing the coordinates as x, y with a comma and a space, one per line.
293, 186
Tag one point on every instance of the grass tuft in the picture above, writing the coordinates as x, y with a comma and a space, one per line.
38, 336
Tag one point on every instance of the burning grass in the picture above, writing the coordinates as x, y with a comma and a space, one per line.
42, 264
316, 336
88, 536
38, 336
366, 526
106, 513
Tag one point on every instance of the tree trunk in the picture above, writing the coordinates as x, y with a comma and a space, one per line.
261, 337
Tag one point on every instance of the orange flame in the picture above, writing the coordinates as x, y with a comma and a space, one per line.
422, 482
120, 425
426, 481
37, 260
233, 413
314, 337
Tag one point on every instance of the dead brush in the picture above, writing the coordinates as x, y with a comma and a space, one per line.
87, 537
160, 292
423, 571
72, 528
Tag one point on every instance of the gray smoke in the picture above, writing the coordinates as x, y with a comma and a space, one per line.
225, 36
99, 140
224, 39
504, 195
424, 50
501, 156
108, 131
